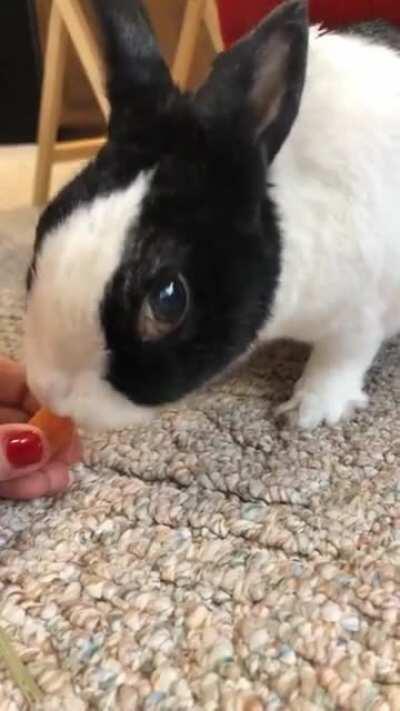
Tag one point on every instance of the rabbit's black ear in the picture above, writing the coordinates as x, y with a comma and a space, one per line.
258, 83
139, 82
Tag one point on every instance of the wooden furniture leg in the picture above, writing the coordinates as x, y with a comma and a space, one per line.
53, 80
196, 12
87, 47
67, 22
211, 18
192, 19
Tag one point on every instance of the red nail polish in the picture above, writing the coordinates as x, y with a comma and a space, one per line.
23, 449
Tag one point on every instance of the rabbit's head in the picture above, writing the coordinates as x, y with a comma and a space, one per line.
155, 268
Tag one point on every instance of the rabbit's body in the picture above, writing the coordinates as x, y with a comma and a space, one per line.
273, 212
337, 189
336, 183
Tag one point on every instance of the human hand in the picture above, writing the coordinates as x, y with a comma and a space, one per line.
27, 470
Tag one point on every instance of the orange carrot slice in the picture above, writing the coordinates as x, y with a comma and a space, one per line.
58, 430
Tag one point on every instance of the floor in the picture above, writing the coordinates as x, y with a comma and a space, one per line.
17, 167
214, 560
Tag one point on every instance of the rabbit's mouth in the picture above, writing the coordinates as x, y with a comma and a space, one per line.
91, 402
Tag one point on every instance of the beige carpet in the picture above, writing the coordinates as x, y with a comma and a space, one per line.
214, 560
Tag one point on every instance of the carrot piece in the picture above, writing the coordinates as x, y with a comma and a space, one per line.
58, 430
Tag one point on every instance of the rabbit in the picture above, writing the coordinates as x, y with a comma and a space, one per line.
264, 205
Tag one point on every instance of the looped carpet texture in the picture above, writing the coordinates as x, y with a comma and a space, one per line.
215, 559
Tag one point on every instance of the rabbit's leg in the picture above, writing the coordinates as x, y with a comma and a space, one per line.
331, 387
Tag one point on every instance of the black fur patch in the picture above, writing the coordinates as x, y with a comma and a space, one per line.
225, 241
377, 31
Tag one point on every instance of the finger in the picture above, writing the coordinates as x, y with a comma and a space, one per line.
29, 404
53, 480
12, 414
12, 382
73, 453
23, 450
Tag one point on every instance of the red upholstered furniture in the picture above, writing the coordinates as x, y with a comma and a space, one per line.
238, 16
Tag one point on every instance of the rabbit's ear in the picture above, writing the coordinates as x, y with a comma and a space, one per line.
139, 82
258, 83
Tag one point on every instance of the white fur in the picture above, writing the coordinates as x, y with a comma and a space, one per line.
337, 188
65, 349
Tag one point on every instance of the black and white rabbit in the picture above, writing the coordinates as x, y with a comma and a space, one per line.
264, 206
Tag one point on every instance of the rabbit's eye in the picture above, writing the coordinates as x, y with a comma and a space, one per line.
164, 309
168, 301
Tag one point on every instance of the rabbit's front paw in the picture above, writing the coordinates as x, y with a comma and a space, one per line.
309, 408
331, 387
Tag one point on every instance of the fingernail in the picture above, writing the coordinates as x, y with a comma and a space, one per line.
23, 449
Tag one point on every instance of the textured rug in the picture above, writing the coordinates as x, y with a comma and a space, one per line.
216, 559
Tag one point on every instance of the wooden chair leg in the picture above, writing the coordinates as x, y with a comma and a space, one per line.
87, 48
80, 149
192, 20
211, 18
53, 81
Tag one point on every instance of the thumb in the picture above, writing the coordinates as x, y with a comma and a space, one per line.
23, 449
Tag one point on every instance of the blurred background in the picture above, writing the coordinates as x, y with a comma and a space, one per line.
50, 57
